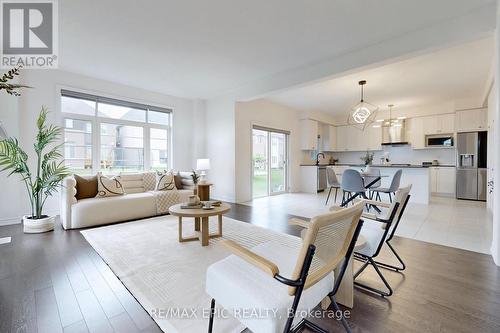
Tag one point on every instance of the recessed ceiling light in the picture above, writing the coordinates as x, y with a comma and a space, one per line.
379, 120
377, 126
401, 118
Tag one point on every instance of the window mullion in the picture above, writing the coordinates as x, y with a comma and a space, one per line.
147, 147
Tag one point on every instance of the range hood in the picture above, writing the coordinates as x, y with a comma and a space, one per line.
394, 134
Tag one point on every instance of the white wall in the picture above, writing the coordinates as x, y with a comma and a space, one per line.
220, 147
10, 193
495, 246
268, 114
187, 119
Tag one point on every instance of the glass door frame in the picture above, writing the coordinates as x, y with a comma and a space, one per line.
286, 161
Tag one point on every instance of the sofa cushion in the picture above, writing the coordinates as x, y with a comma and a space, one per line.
98, 211
86, 187
165, 181
108, 187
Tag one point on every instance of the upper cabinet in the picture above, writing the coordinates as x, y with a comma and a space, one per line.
419, 127
329, 138
472, 120
350, 138
309, 134
415, 132
439, 124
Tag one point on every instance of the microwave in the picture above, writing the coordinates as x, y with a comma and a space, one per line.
440, 141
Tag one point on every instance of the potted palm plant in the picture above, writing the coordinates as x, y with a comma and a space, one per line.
45, 180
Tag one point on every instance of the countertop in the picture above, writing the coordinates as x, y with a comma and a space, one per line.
383, 165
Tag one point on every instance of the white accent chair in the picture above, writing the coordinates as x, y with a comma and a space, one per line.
379, 230
255, 279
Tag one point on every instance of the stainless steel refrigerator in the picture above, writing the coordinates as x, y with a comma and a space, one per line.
471, 165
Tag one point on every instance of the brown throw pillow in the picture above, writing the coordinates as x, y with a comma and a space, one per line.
178, 181
85, 187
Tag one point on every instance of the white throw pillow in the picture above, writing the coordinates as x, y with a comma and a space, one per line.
108, 187
165, 181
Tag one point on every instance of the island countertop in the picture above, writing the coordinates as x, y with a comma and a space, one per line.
415, 166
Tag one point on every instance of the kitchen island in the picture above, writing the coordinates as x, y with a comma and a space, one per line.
417, 175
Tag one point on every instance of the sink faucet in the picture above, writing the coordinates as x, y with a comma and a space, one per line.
317, 157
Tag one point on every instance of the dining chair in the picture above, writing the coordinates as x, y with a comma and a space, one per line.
291, 280
377, 231
396, 179
352, 182
332, 182
369, 177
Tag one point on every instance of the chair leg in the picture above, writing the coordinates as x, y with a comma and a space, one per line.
343, 198
369, 261
336, 190
342, 319
390, 197
395, 268
212, 312
328, 197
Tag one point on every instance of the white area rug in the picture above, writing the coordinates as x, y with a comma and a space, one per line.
165, 275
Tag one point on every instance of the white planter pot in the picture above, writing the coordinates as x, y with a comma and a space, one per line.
34, 226
368, 168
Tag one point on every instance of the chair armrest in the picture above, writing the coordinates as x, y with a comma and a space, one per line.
298, 222
369, 216
68, 199
251, 257
378, 203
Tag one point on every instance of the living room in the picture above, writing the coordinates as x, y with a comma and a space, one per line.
172, 181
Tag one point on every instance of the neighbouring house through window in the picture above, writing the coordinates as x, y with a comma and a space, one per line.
110, 135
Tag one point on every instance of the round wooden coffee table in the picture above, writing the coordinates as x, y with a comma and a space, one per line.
199, 214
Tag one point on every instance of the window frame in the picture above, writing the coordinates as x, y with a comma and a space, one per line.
97, 120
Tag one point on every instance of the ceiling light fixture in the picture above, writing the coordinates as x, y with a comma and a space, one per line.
393, 122
363, 113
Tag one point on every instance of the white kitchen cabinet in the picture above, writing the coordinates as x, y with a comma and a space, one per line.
309, 134
439, 124
415, 132
342, 134
329, 138
472, 120
447, 123
443, 180
350, 138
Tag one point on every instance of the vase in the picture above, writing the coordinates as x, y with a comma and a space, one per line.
35, 226
367, 168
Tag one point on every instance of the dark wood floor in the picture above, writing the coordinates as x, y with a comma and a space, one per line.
55, 282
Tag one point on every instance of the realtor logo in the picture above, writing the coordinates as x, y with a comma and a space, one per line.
29, 33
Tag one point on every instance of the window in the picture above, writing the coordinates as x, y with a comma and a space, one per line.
112, 136
78, 145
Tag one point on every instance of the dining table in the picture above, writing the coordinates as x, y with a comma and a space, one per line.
367, 187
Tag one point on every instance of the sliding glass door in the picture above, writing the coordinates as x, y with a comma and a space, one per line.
269, 162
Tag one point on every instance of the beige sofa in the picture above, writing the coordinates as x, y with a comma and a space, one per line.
138, 202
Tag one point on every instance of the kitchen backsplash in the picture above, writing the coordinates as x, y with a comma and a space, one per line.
403, 154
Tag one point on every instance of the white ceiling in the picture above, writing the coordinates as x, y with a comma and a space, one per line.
207, 48
458, 73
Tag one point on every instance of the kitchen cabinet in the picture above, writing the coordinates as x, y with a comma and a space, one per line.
309, 134
415, 132
443, 180
329, 138
350, 138
472, 120
439, 124
419, 127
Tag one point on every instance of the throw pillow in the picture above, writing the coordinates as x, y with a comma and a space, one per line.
108, 187
178, 181
165, 181
86, 187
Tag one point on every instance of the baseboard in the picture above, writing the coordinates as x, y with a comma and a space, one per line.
18, 219
9, 221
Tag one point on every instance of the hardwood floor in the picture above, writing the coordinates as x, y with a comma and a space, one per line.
55, 282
